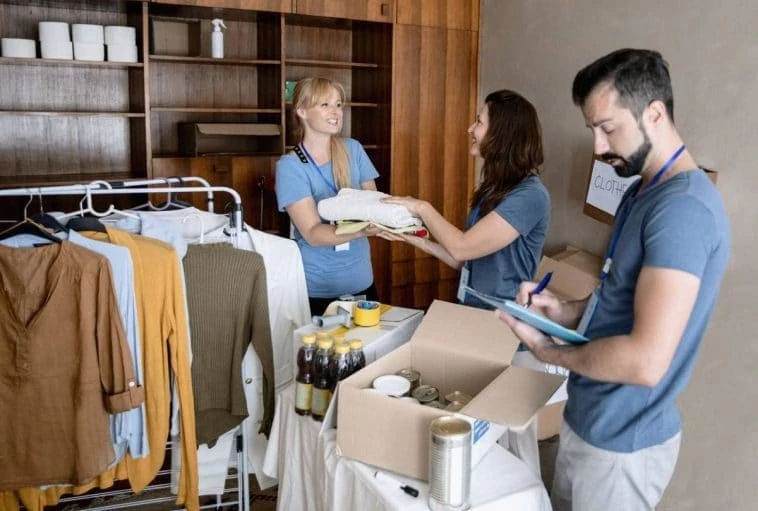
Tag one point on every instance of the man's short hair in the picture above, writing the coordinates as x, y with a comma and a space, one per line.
639, 76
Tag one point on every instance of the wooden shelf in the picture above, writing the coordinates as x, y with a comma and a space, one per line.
72, 113
69, 63
218, 62
61, 179
330, 63
212, 110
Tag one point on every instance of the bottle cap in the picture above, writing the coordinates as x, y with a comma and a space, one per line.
322, 334
324, 344
308, 339
356, 344
341, 348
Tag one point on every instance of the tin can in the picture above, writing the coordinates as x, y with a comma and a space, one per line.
454, 406
426, 393
412, 375
458, 397
449, 464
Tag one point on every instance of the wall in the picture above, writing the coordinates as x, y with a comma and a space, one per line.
536, 47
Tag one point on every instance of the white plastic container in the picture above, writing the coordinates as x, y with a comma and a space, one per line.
89, 51
57, 50
120, 35
217, 39
53, 32
19, 48
122, 52
91, 34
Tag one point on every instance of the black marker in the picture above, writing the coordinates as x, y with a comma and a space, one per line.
410, 490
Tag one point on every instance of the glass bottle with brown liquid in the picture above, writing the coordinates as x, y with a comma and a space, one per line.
356, 357
305, 375
339, 366
322, 393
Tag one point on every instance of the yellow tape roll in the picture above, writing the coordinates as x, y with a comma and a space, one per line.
366, 313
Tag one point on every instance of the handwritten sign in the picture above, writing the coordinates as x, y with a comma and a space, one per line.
604, 191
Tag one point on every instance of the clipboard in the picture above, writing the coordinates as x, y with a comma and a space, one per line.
538, 321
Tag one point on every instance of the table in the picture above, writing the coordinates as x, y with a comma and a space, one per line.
313, 476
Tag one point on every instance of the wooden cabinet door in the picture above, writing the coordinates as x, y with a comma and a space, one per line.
434, 94
253, 5
461, 14
367, 10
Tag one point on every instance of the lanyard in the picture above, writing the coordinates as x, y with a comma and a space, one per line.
622, 219
318, 169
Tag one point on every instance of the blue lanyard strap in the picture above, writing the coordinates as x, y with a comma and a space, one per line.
318, 169
622, 219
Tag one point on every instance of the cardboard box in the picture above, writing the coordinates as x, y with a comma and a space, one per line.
196, 139
454, 348
176, 38
581, 260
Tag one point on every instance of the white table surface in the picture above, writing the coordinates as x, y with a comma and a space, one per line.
313, 476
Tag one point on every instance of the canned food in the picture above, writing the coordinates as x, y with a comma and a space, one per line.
458, 397
454, 406
426, 393
449, 464
412, 376
435, 404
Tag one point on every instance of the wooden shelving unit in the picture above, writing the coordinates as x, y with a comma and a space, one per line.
71, 121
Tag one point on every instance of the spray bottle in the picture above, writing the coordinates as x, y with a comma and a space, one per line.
217, 39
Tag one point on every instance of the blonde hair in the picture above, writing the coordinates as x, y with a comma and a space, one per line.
308, 93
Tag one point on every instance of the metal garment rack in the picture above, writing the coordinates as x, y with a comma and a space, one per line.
148, 186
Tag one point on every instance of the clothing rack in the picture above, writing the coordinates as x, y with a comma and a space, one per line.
151, 186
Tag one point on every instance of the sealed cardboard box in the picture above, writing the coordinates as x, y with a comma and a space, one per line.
176, 38
454, 348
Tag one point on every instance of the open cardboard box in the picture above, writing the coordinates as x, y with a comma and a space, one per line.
454, 348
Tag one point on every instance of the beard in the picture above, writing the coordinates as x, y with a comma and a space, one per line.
633, 164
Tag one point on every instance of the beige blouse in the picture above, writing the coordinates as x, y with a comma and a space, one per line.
64, 365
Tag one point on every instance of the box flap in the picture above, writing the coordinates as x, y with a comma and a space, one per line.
468, 330
568, 282
496, 402
238, 129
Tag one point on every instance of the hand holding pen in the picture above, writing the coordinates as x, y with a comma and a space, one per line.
537, 290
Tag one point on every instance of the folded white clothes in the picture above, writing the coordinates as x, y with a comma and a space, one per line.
351, 204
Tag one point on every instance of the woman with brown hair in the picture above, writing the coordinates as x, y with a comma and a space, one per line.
510, 209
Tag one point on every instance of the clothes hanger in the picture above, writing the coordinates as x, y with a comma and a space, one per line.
89, 208
173, 201
28, 226
149, 204
48, 220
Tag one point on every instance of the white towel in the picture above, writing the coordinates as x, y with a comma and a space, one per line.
351, 204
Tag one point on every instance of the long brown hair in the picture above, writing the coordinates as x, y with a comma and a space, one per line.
308, 93
511, 148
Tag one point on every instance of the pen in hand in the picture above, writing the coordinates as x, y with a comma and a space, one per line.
410, 490
540, 287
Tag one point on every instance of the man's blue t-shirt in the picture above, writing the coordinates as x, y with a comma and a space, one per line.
527, 208
680, 224
328, 272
